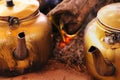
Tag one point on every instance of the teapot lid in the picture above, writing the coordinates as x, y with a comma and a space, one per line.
20, 9
110, 16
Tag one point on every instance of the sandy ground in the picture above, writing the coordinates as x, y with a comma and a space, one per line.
54, 70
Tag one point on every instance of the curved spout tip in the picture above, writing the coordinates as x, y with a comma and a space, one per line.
92, 49
102, 66
21, 50
95, 51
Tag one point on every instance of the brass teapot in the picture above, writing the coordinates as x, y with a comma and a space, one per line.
102, 44
25, 35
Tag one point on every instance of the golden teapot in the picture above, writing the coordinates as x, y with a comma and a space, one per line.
25, 35
102, 44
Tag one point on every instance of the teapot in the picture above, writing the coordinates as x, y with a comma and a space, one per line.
25, 36
102, 44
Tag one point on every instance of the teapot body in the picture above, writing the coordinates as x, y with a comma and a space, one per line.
107, 41
32, 37
38, 43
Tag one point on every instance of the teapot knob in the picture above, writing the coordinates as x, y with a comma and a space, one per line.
9, 3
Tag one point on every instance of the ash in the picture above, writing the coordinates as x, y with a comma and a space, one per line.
72, 53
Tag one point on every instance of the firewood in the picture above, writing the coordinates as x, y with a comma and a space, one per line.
74, 12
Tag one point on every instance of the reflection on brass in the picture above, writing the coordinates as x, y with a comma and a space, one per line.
102, 40
25, 36
21, 50
102, 67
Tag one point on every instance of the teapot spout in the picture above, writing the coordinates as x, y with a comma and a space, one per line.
20, 52
102, 66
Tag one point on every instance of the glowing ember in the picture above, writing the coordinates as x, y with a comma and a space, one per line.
62, 44
66, 40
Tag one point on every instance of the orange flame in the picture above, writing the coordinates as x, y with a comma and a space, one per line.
66, 39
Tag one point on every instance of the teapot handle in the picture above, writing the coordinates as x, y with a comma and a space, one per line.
14, 20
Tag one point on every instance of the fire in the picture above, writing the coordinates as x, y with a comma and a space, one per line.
66, 39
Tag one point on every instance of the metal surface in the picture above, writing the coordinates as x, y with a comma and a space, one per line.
104, 36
